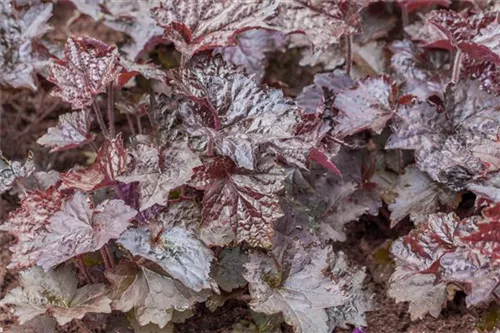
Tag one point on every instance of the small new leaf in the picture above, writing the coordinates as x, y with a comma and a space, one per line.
71, 131
368, 105
12, 171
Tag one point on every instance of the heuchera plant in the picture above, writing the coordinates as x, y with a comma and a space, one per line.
235, 189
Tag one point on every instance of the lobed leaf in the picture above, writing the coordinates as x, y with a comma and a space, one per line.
55, 292
312, 17
109, 164
368, 105
86, 69
418, 196
30, 220
71, 131
238, 204
199, 25
152, 297
19, 32
160, 170
231, 113
302, 297
10, 172
80, 228
444, 250
177, 251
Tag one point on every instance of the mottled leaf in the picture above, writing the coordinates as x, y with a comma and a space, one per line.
110, 162
230, 112
352, 312
152, 296
55, 292
19, 32
199, 25
159, 170
28, 222
418, 196
475, 35
442, 250
177, 251
80, 228
323, 22
302, 297
88, 66
11, 171
238, 204
71, 131
455, 140
368, 105
422, 74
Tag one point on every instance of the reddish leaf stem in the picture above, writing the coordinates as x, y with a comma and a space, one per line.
348, 54
82, 326
152, 121
130, 124
83, 269
105, 258
110, 255
457, 65
111, 110
404, 18
100, 119
139, 125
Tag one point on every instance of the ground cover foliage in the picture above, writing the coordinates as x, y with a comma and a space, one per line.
236, 185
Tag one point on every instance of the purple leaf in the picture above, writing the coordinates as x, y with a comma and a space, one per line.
368, 105
195, 26
80, 228
85, 71
10, 172
160, 170
177, 251
71, 131
153, 297
109, 163
56, 292
29, 221
238, 204
19, 31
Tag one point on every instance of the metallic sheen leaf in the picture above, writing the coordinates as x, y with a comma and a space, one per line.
56, 292
88, 66
71, 131
177, 251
